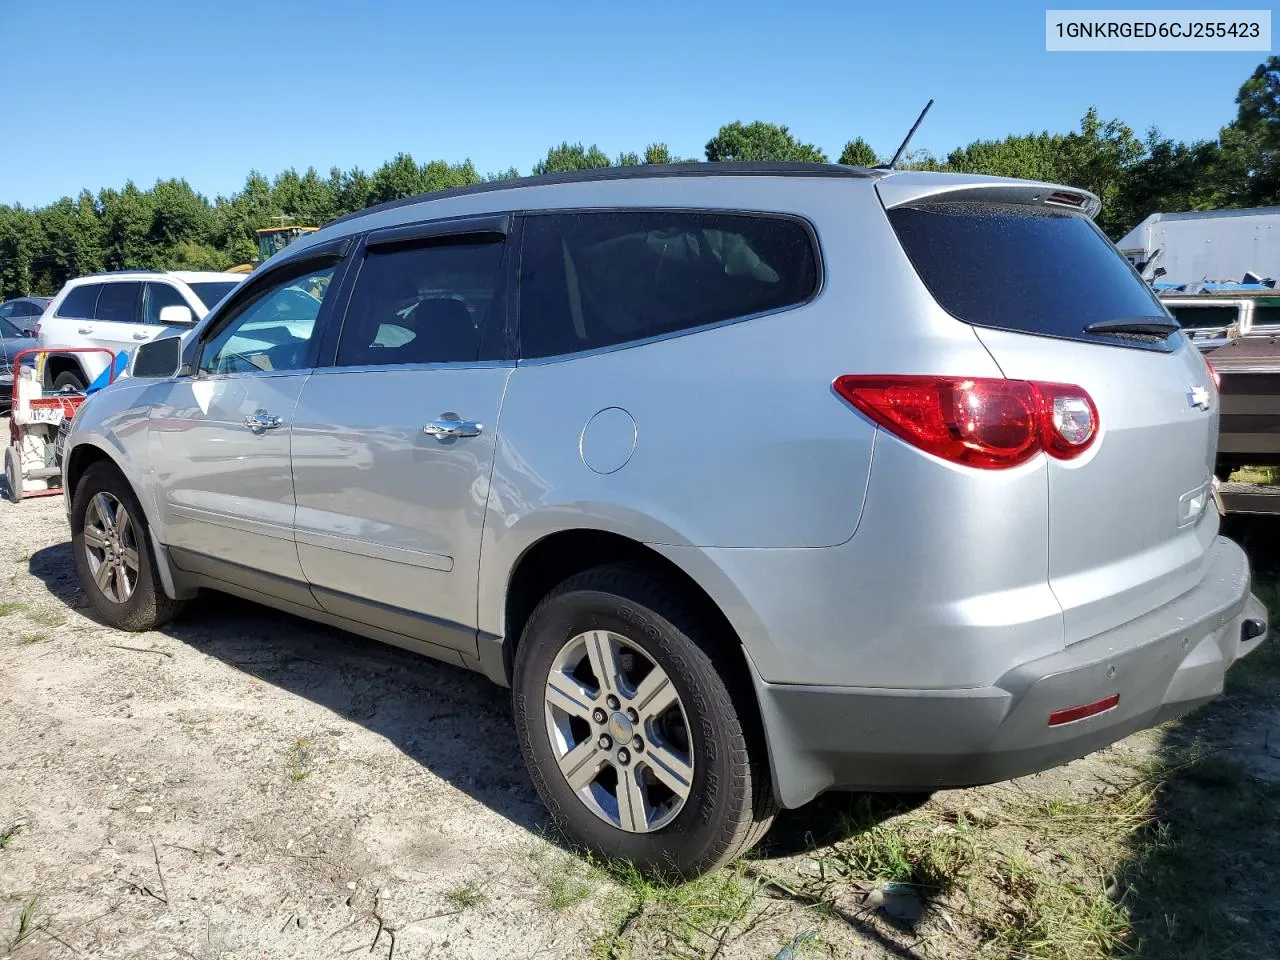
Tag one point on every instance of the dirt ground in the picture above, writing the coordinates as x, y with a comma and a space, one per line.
245, 784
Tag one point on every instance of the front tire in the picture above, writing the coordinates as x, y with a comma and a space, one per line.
68, 382
112, 547
629, 729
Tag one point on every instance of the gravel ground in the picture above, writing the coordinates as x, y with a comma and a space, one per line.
246, 784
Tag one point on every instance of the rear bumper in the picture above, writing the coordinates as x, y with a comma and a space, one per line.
1161, 665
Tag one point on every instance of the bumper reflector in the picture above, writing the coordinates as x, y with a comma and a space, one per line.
1072, 714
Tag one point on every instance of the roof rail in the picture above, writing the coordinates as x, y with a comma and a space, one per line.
642, 172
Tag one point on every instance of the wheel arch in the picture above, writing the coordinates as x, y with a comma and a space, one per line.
553, 558
83, 456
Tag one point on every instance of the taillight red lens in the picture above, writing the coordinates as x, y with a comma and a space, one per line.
977, 421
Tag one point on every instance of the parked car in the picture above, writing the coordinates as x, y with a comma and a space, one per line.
15, 337
751, 480
23, 313
119, 311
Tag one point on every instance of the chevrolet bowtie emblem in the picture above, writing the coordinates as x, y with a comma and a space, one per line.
1198, 397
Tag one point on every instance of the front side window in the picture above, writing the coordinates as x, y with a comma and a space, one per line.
80, 302
8, 330
118, 303
422, 304
159, 296
271, 331
593, 280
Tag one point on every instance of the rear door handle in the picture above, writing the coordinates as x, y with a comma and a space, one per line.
84, 330
450, 426
262, 421
142, 336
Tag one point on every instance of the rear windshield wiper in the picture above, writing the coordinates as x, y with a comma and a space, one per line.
1154, 325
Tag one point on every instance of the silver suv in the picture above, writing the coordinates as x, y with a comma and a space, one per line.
752, 481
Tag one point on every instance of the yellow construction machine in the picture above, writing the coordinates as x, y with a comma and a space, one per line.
272, 240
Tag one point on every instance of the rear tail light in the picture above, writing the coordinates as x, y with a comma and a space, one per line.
975, 421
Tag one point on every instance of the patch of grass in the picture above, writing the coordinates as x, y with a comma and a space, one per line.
698, 918
11, 606
8, 833
467, 895
31, 638
49, 618
1199, 877
933, 857
301, 759
27, 925
569, 887
1268, 475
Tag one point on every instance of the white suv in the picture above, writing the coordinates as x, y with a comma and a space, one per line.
119, 311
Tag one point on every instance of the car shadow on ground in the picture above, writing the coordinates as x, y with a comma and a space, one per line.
453, 722
1199, 878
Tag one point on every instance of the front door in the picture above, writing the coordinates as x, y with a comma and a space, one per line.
220, 441
393, 445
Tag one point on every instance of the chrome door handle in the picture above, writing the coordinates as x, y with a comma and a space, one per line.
83, 330
262, 421
142, 336
452, 427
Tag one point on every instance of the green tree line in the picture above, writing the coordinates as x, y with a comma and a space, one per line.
172, 226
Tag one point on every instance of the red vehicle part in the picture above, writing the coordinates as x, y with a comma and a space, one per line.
65, 403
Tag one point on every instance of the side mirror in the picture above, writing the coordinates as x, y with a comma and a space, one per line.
176, 316
158, 359
29, 334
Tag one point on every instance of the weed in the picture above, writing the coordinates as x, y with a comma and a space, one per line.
568, 887
31, 638
467, 895
26, 924
301, 759
11, 606
8, 833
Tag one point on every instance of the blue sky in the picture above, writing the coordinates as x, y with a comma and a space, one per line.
97, 93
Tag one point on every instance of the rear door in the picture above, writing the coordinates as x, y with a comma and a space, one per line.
115, 319
393, 444
1128, 528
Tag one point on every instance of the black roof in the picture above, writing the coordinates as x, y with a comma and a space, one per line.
644, 172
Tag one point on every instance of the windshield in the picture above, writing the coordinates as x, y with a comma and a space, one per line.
211, 293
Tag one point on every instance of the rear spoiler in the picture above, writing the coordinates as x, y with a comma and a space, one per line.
904, 189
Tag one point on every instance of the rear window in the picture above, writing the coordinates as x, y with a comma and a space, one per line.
1203, 318
80, 302
592, 280
1021, 268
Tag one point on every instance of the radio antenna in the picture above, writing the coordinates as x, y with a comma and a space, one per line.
892, 164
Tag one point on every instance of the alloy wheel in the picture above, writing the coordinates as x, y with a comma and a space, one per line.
619, 731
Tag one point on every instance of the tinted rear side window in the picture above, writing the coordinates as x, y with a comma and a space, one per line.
1021, 268
1207, 317
118, 302
593, 280
422, 304
80, 302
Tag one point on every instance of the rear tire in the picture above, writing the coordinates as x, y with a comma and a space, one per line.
725, 803
138, 601
68, 381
